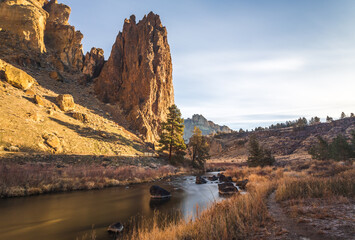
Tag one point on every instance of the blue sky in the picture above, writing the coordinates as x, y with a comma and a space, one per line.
244, 63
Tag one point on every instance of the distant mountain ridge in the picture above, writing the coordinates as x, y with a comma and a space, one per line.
207, 127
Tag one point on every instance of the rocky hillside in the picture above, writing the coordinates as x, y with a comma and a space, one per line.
47, 101
286, 143
138, 75
207, 127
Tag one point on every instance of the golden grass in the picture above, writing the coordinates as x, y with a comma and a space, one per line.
342, 184
243, 215
235, 218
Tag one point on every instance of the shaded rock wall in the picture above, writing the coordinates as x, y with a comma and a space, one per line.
138, 75
93, 63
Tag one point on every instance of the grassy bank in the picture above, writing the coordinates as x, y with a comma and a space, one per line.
32, 178
235, 218
247, 216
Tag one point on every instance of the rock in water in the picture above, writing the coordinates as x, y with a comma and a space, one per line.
227, 188
15, 76
66, 102
157, 192
115, 228
200, 180
213, 178
223, 178
138, 75
242, 184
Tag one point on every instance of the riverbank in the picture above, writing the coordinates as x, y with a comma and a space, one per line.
39, 174
250, 217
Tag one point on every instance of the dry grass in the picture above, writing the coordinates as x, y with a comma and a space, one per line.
31, 179
242, 216
342, 184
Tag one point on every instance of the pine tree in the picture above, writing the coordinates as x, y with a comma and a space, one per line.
321, 150
343, 115
171, 137
200, 148
329, 119
258, 156
314, 120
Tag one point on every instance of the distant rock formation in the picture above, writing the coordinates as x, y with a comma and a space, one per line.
138, 75
207, 127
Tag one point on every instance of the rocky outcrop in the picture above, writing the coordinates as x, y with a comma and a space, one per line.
24, 20
207, 127
93, 63
14, 76
36, 33
62, 39
138, 75
66, 102
53, 142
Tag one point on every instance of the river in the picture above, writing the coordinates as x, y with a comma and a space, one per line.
66, 216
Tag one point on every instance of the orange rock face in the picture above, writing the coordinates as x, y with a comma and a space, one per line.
25, 20
138, 75
62, 39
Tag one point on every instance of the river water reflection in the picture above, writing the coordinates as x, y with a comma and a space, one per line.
66, 216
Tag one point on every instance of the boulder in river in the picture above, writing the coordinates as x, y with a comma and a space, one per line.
213, 178
200, 180
115, 228
223, 178
227, 188
242, 184
157, 192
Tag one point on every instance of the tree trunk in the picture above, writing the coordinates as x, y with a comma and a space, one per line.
171, 142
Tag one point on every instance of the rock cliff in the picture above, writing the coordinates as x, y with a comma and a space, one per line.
207, 127
36, 33
62, 39
93, 63
25, 20
138, 75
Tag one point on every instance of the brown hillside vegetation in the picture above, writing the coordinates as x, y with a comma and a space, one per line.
286, 143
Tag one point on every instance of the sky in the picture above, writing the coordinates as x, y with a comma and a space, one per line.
244, 63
